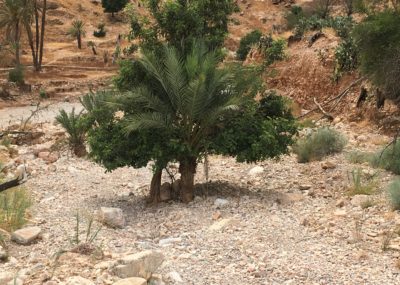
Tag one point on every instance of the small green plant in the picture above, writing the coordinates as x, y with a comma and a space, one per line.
294, 16
246, 42
394, 193
101, 31
76, 125
323, 142
359, 187
13, 206
388, 158
16, 75
43, 94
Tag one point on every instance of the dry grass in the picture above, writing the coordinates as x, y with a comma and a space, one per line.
13, 206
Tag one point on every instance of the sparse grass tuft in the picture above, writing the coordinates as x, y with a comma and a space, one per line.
359, 187
388, 158
359, 157
13, 206
323, 142
394, 193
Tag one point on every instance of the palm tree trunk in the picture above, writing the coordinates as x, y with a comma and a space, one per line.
42, 27
187, 169
17, 58
155, 188
31, 45
79, 39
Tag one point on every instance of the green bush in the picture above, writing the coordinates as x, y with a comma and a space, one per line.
359, 157
294, 16
323, 142
246, 42
13, 206
389, 158
346, 57
342, 25
16, 75
100, 32
394, 193
275, 52
76, 125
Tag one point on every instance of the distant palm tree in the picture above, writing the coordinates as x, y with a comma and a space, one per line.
78, 31
12, 15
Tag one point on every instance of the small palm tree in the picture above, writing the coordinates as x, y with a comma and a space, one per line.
13, 14
187, 96
76, 126
78, 31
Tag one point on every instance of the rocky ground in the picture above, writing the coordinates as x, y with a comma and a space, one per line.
277, 222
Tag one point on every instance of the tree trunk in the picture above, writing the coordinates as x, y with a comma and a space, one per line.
43, 26
187, 169
31, 45
17, 59
79, 39
155, 188
94, 50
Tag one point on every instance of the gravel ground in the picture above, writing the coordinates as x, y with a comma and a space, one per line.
288, 224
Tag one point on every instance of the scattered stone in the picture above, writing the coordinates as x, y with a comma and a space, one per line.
26, 236
328, 165
169, 241
360, 200
174, 277
340, 203
113, 217
304, 187
256, 170
216, 215
132, 281
156, 279
141, 264
221, 203
340, 213
219, 225
3, 254
48, 157
78, 280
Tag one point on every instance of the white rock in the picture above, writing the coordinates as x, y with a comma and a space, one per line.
221, 203
131, 281
256, 170
141, 264
78, 280
169, 241
26, 235
174, 277
5, 277
219, 225
113, 217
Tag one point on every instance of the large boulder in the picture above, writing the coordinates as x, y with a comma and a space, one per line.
112, 217
141, 264
26, 236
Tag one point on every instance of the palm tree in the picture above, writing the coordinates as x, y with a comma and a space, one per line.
186, 97
78, 31
12, 13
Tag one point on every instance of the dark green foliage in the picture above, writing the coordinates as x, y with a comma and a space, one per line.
342, 25
246, 42
76, 126
294, 16
346, 57
394, 193
315, 146
275, 52
261, 130
378, 42
101, 31
389, 158
113, 6
131, 74
16, 75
